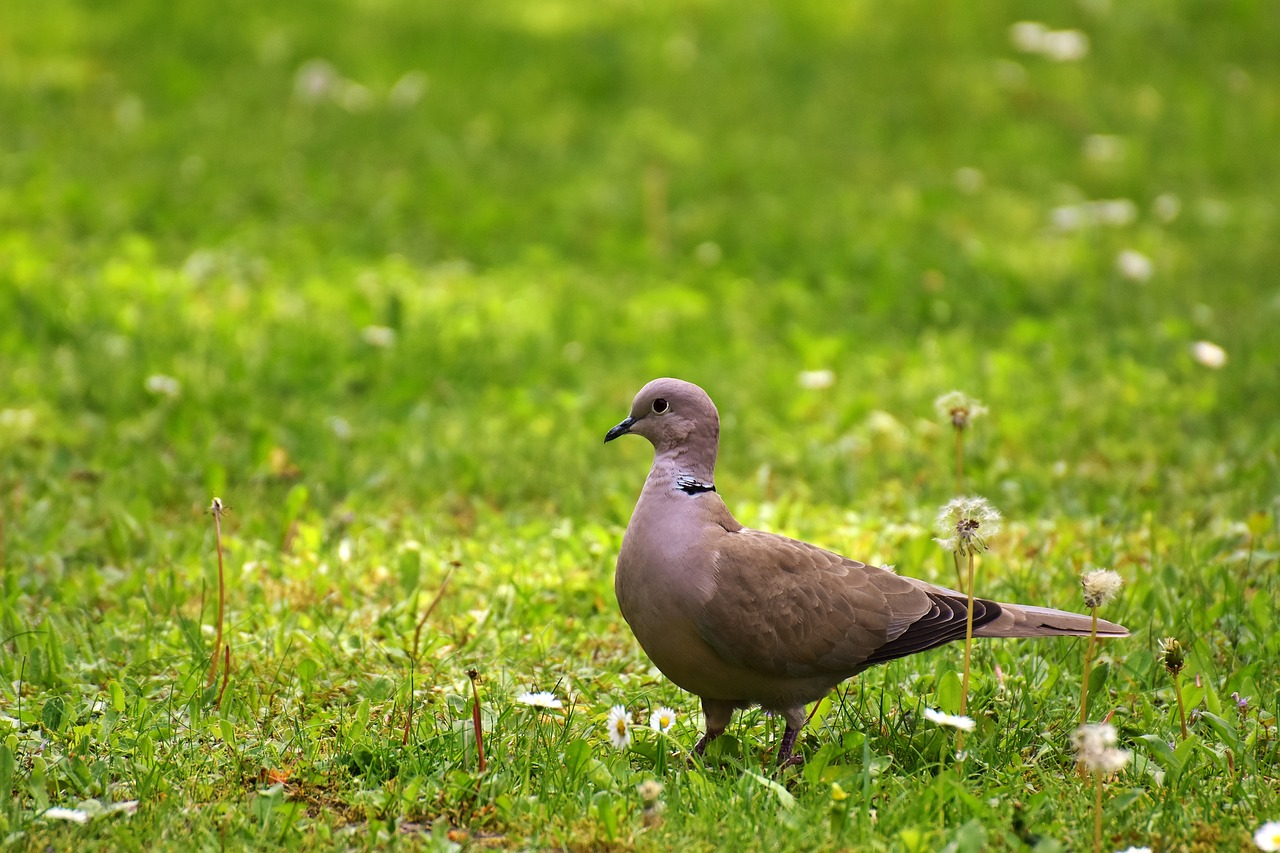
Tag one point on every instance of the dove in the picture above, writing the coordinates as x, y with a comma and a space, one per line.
741, 617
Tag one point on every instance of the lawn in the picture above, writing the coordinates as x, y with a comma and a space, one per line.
380, 275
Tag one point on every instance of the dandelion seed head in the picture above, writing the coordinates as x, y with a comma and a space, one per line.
1095, 747
966, 524
649, 790
958, 408
619, 725
1100, 586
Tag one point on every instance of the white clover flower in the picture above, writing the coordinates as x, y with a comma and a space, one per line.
816, 380
163, 386
964, 724
1268, 836
1095, 746
1135, 850
966, 524
1100, 586
662, 719
958, 408
1209, 354
1134, 265
541, 699
619, 725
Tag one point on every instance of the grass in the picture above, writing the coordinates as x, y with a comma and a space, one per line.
390, 331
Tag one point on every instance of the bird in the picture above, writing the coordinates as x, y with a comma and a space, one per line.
742, 617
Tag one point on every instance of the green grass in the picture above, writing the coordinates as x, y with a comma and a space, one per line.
586, 196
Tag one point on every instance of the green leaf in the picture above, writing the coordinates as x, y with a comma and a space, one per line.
117, 697
227, 730
6, 770
949, 692
53, 713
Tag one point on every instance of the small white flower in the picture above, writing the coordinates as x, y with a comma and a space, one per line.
1115, 211
1134, 265
1028, 36
1135, 850
662, 719
964, 724
73, 815
1166, 207
968, 179
163, 386
619, 725
816, 380
1209, 354
1065, 45
408, 90
1095, 745
1103, 148
382, 337
1268, 836
315, 81
1100, 586
541, 699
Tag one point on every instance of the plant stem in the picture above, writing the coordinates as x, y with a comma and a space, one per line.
968, 640
216, 509
1182, 711
959, 461
1097, 813
1088, 666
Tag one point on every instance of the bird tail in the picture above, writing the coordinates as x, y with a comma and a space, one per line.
1023, 620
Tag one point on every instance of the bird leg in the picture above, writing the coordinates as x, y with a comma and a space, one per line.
718, 715
701, 746
796, 718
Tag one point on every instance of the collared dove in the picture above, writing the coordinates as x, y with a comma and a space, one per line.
740, 617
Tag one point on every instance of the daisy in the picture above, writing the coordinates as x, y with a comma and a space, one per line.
964, 724
1268, 836
619, 725
541, 699
662, 719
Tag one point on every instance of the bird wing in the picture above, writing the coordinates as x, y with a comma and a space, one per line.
788, 608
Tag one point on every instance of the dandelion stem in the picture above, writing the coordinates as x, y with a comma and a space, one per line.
959, 461
475, 719
216, 509
1088, 666
1097, 813
1182, 711
968, 640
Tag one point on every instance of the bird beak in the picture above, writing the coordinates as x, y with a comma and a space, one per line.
621, 429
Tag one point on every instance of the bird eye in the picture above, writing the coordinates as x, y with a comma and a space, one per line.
660, 406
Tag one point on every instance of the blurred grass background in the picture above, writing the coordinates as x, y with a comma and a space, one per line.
384, 269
